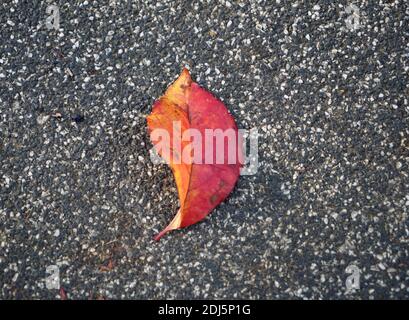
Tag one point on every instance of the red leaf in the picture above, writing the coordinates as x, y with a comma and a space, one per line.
203, 171
63, 294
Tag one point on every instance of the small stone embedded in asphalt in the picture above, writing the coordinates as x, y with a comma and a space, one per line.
42, 119
328, 93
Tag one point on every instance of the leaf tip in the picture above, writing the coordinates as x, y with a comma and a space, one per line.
160, 235
175, 224
185, 79
185, 71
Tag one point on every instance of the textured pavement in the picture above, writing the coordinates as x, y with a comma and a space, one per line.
78, 189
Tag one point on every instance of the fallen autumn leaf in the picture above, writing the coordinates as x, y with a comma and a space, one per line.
199, 140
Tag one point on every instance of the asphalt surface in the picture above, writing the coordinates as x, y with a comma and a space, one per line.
78, 189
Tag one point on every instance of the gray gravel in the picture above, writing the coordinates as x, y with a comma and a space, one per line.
78, 190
